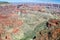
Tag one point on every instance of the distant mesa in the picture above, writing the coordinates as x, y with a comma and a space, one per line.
4, 2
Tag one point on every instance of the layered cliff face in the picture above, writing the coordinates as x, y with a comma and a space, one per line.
52, 33
28, 22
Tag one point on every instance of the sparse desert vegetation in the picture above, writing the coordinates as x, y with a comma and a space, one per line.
29, 21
